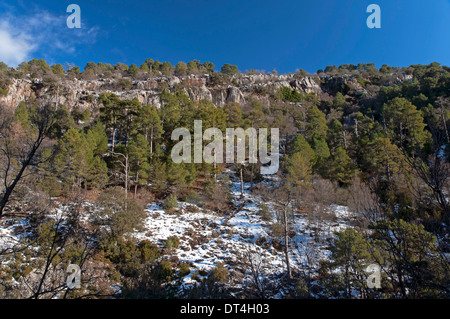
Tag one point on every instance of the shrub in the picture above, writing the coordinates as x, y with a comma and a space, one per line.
219, 274
171, 201
290, 95
50, 185
164, 270
149, 251
218, 79
277, 229
123, 84
172, 242
192, 197
264, 212
184, 269
4, 84
120, 214
302, 287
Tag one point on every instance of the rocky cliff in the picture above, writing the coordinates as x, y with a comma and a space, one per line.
82, 94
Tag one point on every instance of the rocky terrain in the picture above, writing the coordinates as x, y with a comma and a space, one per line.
83, 93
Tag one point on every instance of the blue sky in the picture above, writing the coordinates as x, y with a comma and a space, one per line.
284, 35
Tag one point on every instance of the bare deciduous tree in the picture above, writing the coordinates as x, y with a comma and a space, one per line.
19, 149
261, 284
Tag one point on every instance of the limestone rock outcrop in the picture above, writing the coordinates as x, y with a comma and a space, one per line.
82, 94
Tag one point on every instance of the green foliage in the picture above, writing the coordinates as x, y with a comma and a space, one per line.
118, 213
172, 242
220, 79
413, 254
133, 70
192, 197
21, 115
184, 269
229, 69
335, 135
300, 145
77, 160
181, 69
290, 95
322, 151
234, 114
97, 139
209, 66
58, 69
123, 85
171, 202
144, 67
164, 270
299, 170
398, 124
5, 82
264, 212
139, 154
219, 274
50, 185
406, 124
218, 194
63, 122
180, 175
316, 124
149, 252
342, 167
339, 101
277, 230
350, 251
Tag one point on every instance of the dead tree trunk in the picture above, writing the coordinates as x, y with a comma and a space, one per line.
242, 182
286, 241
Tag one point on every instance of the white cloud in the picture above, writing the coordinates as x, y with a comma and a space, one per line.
14, 47
39, 32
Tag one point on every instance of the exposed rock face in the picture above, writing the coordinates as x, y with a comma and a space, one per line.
18, 91
221, 96
306, 85
82, 94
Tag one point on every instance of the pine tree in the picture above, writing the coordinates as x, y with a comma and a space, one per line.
139, 153
181, 69
316, 123
413, 264
299, 170
339, 101
406, 124
72, 160
322, 151
21, 115
127, 119
76, 163
350, 252
336, 135
342, 168
133, 70
300, 145
110, 114
149, 124
234, 114
97, 139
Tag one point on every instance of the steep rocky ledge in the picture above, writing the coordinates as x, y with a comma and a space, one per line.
82, 94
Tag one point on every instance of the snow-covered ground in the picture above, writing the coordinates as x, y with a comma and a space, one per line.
207, 238
9, 234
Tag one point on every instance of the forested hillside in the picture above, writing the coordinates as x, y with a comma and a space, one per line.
87, 178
